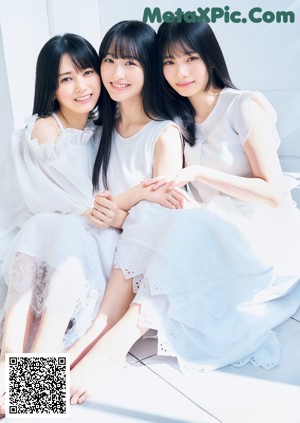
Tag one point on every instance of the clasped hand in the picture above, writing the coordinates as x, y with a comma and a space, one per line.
166, 190
104, 212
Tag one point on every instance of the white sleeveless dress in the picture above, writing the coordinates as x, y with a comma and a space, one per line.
48, 237
131, 159
215, 279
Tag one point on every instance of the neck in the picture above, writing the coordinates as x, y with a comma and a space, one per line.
132, 117
73, 120
204, 103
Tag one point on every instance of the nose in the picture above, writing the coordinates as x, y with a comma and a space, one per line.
119, 71
182, 70
80, 84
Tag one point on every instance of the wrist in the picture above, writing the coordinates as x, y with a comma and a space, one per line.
138, 194
119, 219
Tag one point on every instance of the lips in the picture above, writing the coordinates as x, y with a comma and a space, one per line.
83, 98
184, 84
119, 86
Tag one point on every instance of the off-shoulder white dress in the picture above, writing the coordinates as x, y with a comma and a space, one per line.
44, 238
216, 279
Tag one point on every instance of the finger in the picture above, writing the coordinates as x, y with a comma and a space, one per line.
176, 184
181, 195
176, 203
104, 202
159, 184
166, 203
105, 215
150, 181
105, 194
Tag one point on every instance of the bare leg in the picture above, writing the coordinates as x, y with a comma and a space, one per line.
106, 358
65, 289
16, 324
115, 303
50, 334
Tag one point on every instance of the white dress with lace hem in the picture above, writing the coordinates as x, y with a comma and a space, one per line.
56, 252
216, 279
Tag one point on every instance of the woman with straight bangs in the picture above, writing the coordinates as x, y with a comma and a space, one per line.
55, 261
218, 277
137, 143
225, 273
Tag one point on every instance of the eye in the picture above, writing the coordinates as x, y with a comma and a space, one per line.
88, 72
107, 60
66, 79
192, 58
130, 63
168, 62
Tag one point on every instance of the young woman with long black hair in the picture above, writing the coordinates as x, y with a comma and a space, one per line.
217, 278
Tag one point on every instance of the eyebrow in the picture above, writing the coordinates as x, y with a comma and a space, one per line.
184, 53
125, 57
65, 73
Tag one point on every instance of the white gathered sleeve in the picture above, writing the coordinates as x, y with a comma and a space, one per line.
47, 175
49, 248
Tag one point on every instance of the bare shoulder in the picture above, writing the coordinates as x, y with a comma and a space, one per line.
46, 130
170, 134
170, 131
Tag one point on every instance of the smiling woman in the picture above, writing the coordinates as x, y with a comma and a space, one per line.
57, 264
122, 77
77, 94
78, 90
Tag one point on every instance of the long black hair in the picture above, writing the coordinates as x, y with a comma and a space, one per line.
83, 56
185, 38
128, 39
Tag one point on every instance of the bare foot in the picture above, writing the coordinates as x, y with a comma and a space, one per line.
93, 372
2, 406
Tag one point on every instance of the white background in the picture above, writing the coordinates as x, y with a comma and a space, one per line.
264, 57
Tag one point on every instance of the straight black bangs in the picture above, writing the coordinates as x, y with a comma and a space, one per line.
82, 58
176, 44
176, 49
123, 47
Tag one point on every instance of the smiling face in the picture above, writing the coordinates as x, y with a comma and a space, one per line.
123, 78
186, 73
78, 89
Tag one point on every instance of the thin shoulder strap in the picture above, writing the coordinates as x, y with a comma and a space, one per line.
60, 125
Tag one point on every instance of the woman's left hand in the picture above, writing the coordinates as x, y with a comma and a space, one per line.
186, 175
104, 211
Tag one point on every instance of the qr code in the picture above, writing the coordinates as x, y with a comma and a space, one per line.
37, 385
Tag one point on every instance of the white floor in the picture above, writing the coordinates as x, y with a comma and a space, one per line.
151, 389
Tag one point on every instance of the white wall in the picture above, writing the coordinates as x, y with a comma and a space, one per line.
264, 56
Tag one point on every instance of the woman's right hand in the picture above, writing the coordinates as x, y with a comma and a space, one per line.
105, 211
171, 199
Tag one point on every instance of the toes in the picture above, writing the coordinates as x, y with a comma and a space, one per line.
75, 397
2, 406
83, 398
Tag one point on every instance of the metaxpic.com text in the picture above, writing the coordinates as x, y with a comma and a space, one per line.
214, 14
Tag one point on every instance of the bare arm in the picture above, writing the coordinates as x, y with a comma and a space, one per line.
168, 159
264, 187
266, 184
